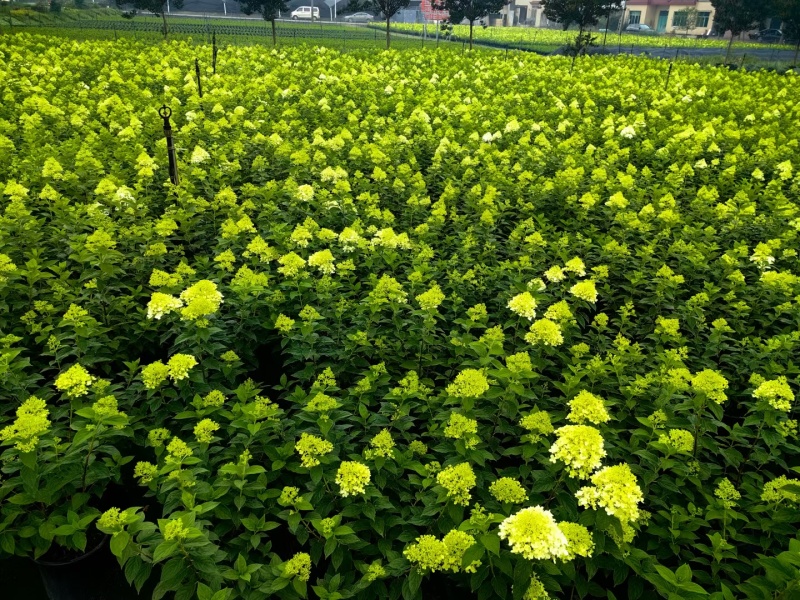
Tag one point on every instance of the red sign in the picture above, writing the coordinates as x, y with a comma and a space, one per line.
433, 15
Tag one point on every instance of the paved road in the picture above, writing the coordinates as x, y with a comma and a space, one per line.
766, 53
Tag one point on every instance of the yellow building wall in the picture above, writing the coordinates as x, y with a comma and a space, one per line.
650, 16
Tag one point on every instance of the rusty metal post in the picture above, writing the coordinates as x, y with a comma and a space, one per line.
197, 73
165, 113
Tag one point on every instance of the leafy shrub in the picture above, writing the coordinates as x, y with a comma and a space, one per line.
515, 332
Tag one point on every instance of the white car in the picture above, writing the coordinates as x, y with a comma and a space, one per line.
304, 12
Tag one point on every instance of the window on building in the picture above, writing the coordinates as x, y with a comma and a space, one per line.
679, 19
703, 18
636, 17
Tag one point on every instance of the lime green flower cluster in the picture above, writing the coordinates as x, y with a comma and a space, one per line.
375, 571
431, 554
458, 481
418, 448
508, 491
538, 424
387, 291
291, 265
381, 445
177, 451
324, 261
352, 478
289, 496
298, 566
579, 540
585, 290
477, 313
154, 374
519, 363
145, 472
175, 530
322, 403
545, 332
260, 249
523, 305
201, 299
580, 447
787, 428
230, 356
668, 327
106, 408
774, 493
180, 365
586, 407
310, 448
74, 382
559, 312
616, 490
324, 380
162, 304
727, 494
214, 399
32, 421
678, 440
6, 266
712, 384
536, 590
460, 427
469, 383
284, 324
777, 393
111, 521
309, 314
431, 299
204, 431
157, 437
575, 265
534, 533
555, 274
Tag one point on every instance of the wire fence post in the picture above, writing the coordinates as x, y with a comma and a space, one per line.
197, 73
165, 113
214, 50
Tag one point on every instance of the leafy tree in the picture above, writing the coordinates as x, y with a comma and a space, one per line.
471, 10
738, 16
269, 9
789, 12
689, 19
157, 7
585, 13
387, 8
562, 11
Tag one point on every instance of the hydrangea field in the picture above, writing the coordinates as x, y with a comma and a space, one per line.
411, 324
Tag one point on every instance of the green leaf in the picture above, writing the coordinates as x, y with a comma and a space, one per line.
119, 541
491, 541
164, 550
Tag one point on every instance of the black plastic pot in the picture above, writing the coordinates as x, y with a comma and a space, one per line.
95, 575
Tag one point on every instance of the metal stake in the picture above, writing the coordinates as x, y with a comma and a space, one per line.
197, 73
669, 72
165, 113
214, 51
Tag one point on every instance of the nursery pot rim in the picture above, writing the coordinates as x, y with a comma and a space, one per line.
47, 563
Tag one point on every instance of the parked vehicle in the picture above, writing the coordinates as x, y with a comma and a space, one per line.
640, 28
769, 36
359, 17
304, 12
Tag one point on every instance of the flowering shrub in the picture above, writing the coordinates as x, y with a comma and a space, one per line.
530, 332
